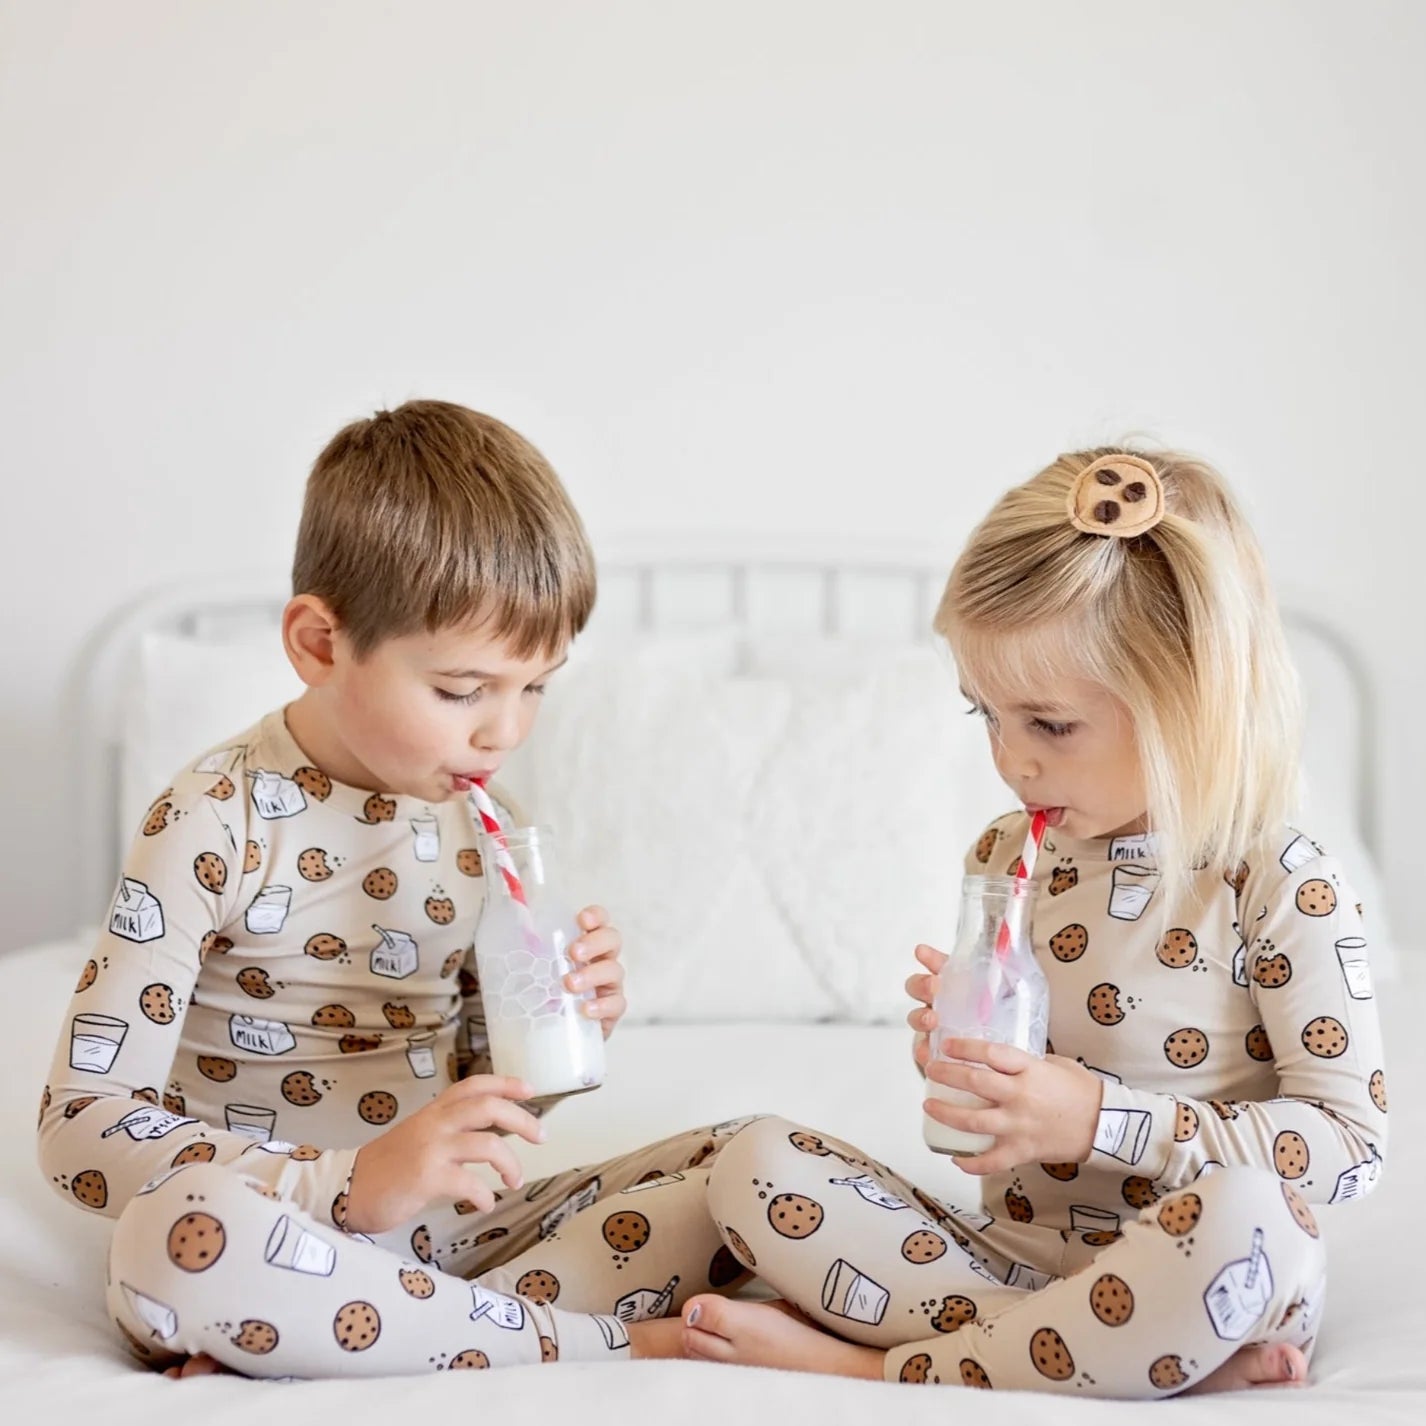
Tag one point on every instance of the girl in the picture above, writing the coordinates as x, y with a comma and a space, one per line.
1215, 1058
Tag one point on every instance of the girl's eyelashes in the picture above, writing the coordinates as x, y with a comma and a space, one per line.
1055, 730
976, 711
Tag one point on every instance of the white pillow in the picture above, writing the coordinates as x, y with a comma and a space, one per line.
187, 695
772, 847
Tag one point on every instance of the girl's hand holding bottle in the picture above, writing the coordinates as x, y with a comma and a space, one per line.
1037, 1109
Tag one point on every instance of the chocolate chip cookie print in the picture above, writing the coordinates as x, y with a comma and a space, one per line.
1325, 1037
255, 1336
1186, 1048
356, 1326
794, 1215
195, 1242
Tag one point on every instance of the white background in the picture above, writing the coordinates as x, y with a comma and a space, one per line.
806, 268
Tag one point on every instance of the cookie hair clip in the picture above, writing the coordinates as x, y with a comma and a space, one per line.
1117, 495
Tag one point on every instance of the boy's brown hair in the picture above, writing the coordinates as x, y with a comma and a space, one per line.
435, 515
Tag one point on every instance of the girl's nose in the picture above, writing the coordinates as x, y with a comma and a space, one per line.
1016, 766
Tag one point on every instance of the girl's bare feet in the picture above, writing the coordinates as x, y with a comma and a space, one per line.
775, 1334
770, 1334
200, 1365
1269, 1364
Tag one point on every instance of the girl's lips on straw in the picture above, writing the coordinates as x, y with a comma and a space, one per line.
1053, 815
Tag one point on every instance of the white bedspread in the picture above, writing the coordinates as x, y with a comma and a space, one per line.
61, 1360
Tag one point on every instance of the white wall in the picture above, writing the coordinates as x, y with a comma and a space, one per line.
808, 267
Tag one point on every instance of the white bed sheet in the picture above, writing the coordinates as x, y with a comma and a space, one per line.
62, 1361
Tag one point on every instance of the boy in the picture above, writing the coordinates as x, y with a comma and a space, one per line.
286, 983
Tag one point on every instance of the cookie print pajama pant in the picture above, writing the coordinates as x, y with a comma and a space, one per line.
956, 1297
208, 1260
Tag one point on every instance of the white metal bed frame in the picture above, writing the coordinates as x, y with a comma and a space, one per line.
846, 592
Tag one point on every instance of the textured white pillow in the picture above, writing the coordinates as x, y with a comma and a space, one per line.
772, 847
188, 694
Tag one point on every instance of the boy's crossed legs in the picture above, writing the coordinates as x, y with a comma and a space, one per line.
582, 1266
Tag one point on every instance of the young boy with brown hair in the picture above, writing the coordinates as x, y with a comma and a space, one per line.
272, 1071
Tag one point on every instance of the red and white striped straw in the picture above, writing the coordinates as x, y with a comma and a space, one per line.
1024, 870
485, 810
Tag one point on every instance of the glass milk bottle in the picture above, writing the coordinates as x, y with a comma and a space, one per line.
537, 1029
985, 997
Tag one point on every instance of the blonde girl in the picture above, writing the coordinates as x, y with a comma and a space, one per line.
1215, 1063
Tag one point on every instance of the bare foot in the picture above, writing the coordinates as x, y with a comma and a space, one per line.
770, 1334
662, 1337
200, 1365
1270, 1364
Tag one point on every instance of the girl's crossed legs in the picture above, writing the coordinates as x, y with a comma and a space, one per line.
920, 1296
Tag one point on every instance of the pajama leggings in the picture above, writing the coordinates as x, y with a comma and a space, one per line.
204, 1261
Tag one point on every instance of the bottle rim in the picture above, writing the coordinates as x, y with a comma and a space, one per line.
1016, 887
518, 838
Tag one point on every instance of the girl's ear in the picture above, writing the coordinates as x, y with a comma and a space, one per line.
311, 636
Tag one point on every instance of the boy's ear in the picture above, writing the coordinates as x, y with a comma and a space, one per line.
310, 636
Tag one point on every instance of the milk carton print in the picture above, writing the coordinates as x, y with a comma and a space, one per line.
396, 957
148, 1122
1140, 847
1357, 1181
136, 914
260, 1037
646, 1303
583, 1197
276, 796
871, 1190
1235, 1299
507, 1312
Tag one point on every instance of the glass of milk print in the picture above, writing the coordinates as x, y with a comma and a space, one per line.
421, 1055
1352, 957
94, 1042
538, 1030
425, 838
987, 996
267, 914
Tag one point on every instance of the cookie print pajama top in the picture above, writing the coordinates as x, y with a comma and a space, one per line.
287, 968
1243, 1081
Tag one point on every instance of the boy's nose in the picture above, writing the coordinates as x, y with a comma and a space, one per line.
500, 732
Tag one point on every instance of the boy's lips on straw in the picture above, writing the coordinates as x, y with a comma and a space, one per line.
464, 781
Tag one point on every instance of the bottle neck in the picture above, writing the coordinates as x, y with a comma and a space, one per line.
523, 851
